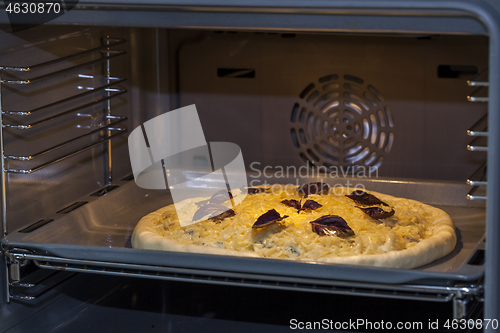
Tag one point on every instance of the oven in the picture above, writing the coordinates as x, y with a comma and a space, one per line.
391, 95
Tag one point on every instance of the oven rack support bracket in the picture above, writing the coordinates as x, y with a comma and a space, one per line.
464, 300
33, 286
479, 131
461, 295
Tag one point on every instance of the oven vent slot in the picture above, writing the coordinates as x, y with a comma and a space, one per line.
479, 131
36, 225
477, 258
72, 207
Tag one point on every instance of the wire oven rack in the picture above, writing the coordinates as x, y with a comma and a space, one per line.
461, 294
107, 130
479, 131
100, 134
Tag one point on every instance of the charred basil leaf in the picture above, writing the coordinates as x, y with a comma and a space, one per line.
364, 198
256, 190
313, 188
268, 218
212, 209
311, 205
292, 203
308, 205
331, 225
222, 216
377, 212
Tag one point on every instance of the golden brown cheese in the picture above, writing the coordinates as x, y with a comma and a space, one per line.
293, 236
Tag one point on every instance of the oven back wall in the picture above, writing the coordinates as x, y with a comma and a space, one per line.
338, 100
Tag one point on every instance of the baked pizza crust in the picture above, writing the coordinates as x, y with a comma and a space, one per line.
441, 243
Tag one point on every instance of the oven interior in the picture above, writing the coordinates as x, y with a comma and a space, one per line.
399, 113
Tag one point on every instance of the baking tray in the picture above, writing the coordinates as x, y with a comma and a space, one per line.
100, 231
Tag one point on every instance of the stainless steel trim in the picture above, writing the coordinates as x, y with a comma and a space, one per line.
472, 146
86, 93
15, 272
481, 182
119, 119
478, 83
22, 285
474, 82
480, 128
22, 297
7, 288
472, 97
42, 121
471, 195
478, 178
28, 171
477, 99
108, 176
43, 286
4, 200
2, 172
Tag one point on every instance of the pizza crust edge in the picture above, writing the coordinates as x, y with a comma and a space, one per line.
440, 244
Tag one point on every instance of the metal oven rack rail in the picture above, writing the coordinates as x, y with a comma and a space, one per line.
479, 131
108, 128
463, 296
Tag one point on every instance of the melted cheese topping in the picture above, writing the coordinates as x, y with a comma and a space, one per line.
293, 237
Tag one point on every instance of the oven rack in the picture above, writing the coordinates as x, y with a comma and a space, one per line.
108, 43
117, 130
115, 81
106, 130
104, 127
462, 295
479, 132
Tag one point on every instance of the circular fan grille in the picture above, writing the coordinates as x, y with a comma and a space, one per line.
341, 121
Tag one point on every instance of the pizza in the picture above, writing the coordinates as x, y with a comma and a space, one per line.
313, 222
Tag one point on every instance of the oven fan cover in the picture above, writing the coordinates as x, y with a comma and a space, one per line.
342, 122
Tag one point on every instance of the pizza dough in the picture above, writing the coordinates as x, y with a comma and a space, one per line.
415, 235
